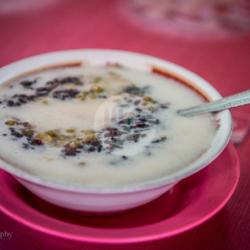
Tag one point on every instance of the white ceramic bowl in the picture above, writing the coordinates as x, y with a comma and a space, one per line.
112, 200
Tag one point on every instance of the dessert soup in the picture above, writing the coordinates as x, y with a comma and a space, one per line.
100, 126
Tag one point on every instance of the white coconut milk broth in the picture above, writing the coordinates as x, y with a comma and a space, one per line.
136, 162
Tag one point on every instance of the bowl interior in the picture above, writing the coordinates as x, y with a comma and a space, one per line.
135, 61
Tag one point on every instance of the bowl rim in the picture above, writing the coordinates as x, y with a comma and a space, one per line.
134, 60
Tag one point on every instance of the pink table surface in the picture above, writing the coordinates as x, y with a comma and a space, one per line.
32, 27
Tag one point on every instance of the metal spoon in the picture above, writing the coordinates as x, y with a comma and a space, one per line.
236, 100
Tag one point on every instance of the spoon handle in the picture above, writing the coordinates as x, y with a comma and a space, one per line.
236, 100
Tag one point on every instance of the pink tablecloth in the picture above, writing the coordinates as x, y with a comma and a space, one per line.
32, 27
